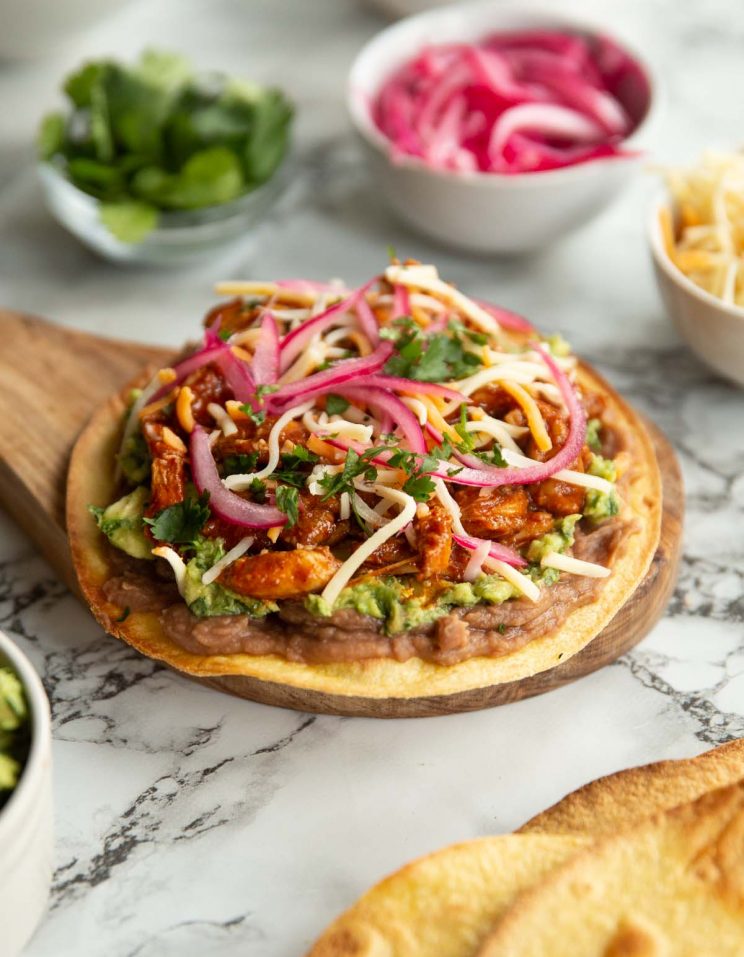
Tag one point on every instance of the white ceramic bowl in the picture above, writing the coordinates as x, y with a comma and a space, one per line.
26, 821
713, 329
480, 212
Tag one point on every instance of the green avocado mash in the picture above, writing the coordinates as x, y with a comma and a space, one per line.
601, 505
13, 731
208, 600
404, 605
121, 523
561, 538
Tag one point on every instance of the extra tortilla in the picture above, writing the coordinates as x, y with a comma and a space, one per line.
91, 482
674, 884
445, 904
608, 804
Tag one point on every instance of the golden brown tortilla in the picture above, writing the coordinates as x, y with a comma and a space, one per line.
91, 481
673, 885
619, 800
445, 904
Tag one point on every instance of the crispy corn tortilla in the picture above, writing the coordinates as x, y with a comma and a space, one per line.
673, 885
91, 481
445, 904
619, 800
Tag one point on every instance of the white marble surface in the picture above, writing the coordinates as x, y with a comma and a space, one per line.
191, 823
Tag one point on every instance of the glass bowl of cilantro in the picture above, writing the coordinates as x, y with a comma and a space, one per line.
26, 816
156, 163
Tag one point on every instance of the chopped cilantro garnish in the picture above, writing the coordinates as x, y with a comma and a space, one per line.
124, 615
224, 334
253, 415
263, 390
290, 469
336, 404
257, 488
181, 523
434, 358
419, 487
240, 464
493, 456
467, 442
354, 466
288, 501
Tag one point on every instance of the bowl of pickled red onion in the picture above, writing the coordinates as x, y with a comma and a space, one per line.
498, 130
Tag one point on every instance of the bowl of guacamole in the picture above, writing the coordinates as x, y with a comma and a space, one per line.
26, 818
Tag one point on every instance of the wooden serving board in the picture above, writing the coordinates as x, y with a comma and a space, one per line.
52, 378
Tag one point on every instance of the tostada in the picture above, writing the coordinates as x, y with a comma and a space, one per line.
390, 491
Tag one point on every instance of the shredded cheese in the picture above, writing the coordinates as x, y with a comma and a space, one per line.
523, 583
426, 279
242, 481
315, 354
213, 573
532, 413
417, 407
176, 563
575, 566
496, 429
437, 419
222, 419
175, 441
584, 479
368, 515
344, 506
408, 510
183, 408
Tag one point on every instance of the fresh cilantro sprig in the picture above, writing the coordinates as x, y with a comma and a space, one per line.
257, 416
292, 468
288, 501
354, 466
432, 358
239, 464
182, 522
336, 404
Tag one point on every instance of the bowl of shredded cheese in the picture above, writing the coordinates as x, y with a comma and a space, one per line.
696, 233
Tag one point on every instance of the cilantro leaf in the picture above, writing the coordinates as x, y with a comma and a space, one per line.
290, 469
354, 466
467, 440
239, 464
181, 523
129, 221
287, 501
257, 488
263, 390
419, 487
336, 404
258, 417
493, 456
433, 358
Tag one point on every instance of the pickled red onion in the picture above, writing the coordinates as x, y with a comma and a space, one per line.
224, 503
512, 102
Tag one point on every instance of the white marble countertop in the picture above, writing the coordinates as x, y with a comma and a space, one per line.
192, 823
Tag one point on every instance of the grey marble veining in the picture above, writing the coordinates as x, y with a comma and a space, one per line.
191, 823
